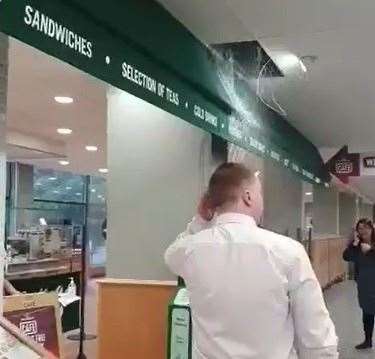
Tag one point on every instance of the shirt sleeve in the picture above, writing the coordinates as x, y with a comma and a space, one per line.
176, 254
315, 335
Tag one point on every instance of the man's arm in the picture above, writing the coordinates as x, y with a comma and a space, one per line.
314, 330
177, 253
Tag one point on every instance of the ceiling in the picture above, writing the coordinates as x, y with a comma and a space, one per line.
333, 103
33, 115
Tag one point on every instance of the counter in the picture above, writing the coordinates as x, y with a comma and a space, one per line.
43, 268
132, 318
48, 274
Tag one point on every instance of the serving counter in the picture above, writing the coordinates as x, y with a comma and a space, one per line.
132, 317
326, 258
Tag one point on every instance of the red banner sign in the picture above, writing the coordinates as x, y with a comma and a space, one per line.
344, 165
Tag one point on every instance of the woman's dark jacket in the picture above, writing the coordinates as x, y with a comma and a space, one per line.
365, 275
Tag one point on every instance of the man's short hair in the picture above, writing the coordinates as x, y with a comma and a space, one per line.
225, 183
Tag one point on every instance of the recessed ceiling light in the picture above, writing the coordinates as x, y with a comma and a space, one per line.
68, 188
103, 170
290, 61
91, 148
93, 190
64, 163
78, 194
303, 67
56, 192
38, 184
64, 131
52, 178
308, 193
64, 99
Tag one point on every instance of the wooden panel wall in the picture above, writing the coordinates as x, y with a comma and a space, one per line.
326, 258
132, 319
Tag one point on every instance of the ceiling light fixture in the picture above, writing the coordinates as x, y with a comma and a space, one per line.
91, 148
93, 190
64, 163
52, 178
78, 194
64, 100
303, 67
290, 61
64, 131
103, 170
308, 193
68, 188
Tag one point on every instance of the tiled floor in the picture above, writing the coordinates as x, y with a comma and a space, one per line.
343, 306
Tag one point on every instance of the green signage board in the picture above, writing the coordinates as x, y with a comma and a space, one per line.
180, 327
75, 33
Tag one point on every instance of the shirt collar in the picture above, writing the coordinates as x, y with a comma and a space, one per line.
235, 218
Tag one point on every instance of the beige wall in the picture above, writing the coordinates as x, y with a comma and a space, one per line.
347, 213
366, 210
325, 210
282, 199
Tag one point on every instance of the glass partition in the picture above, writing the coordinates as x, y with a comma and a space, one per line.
59, 200
97, 220
58, 186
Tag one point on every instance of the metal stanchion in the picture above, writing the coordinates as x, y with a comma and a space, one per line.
82, 336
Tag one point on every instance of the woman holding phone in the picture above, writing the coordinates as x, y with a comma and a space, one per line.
361, 251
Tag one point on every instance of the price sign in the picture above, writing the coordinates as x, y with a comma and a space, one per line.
36, 315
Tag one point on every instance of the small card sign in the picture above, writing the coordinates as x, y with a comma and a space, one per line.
37, 316
16, 345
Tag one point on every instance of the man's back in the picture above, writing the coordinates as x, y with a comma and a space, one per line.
253, 293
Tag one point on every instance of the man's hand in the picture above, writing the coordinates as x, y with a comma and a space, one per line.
205, 209
365, 247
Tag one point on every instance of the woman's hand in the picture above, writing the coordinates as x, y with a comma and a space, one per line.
356, 241
365, 247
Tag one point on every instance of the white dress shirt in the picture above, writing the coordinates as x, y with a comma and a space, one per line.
254, 294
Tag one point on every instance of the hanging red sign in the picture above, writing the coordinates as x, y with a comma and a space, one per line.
344, 165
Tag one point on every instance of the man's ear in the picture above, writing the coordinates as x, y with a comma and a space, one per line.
247, 198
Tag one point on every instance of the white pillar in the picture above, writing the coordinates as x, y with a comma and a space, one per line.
158, 168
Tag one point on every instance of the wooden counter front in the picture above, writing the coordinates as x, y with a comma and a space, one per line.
132, 318
326, 259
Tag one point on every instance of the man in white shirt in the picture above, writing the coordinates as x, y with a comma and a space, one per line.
254, 294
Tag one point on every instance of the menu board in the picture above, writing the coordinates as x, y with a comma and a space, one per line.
36, 316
